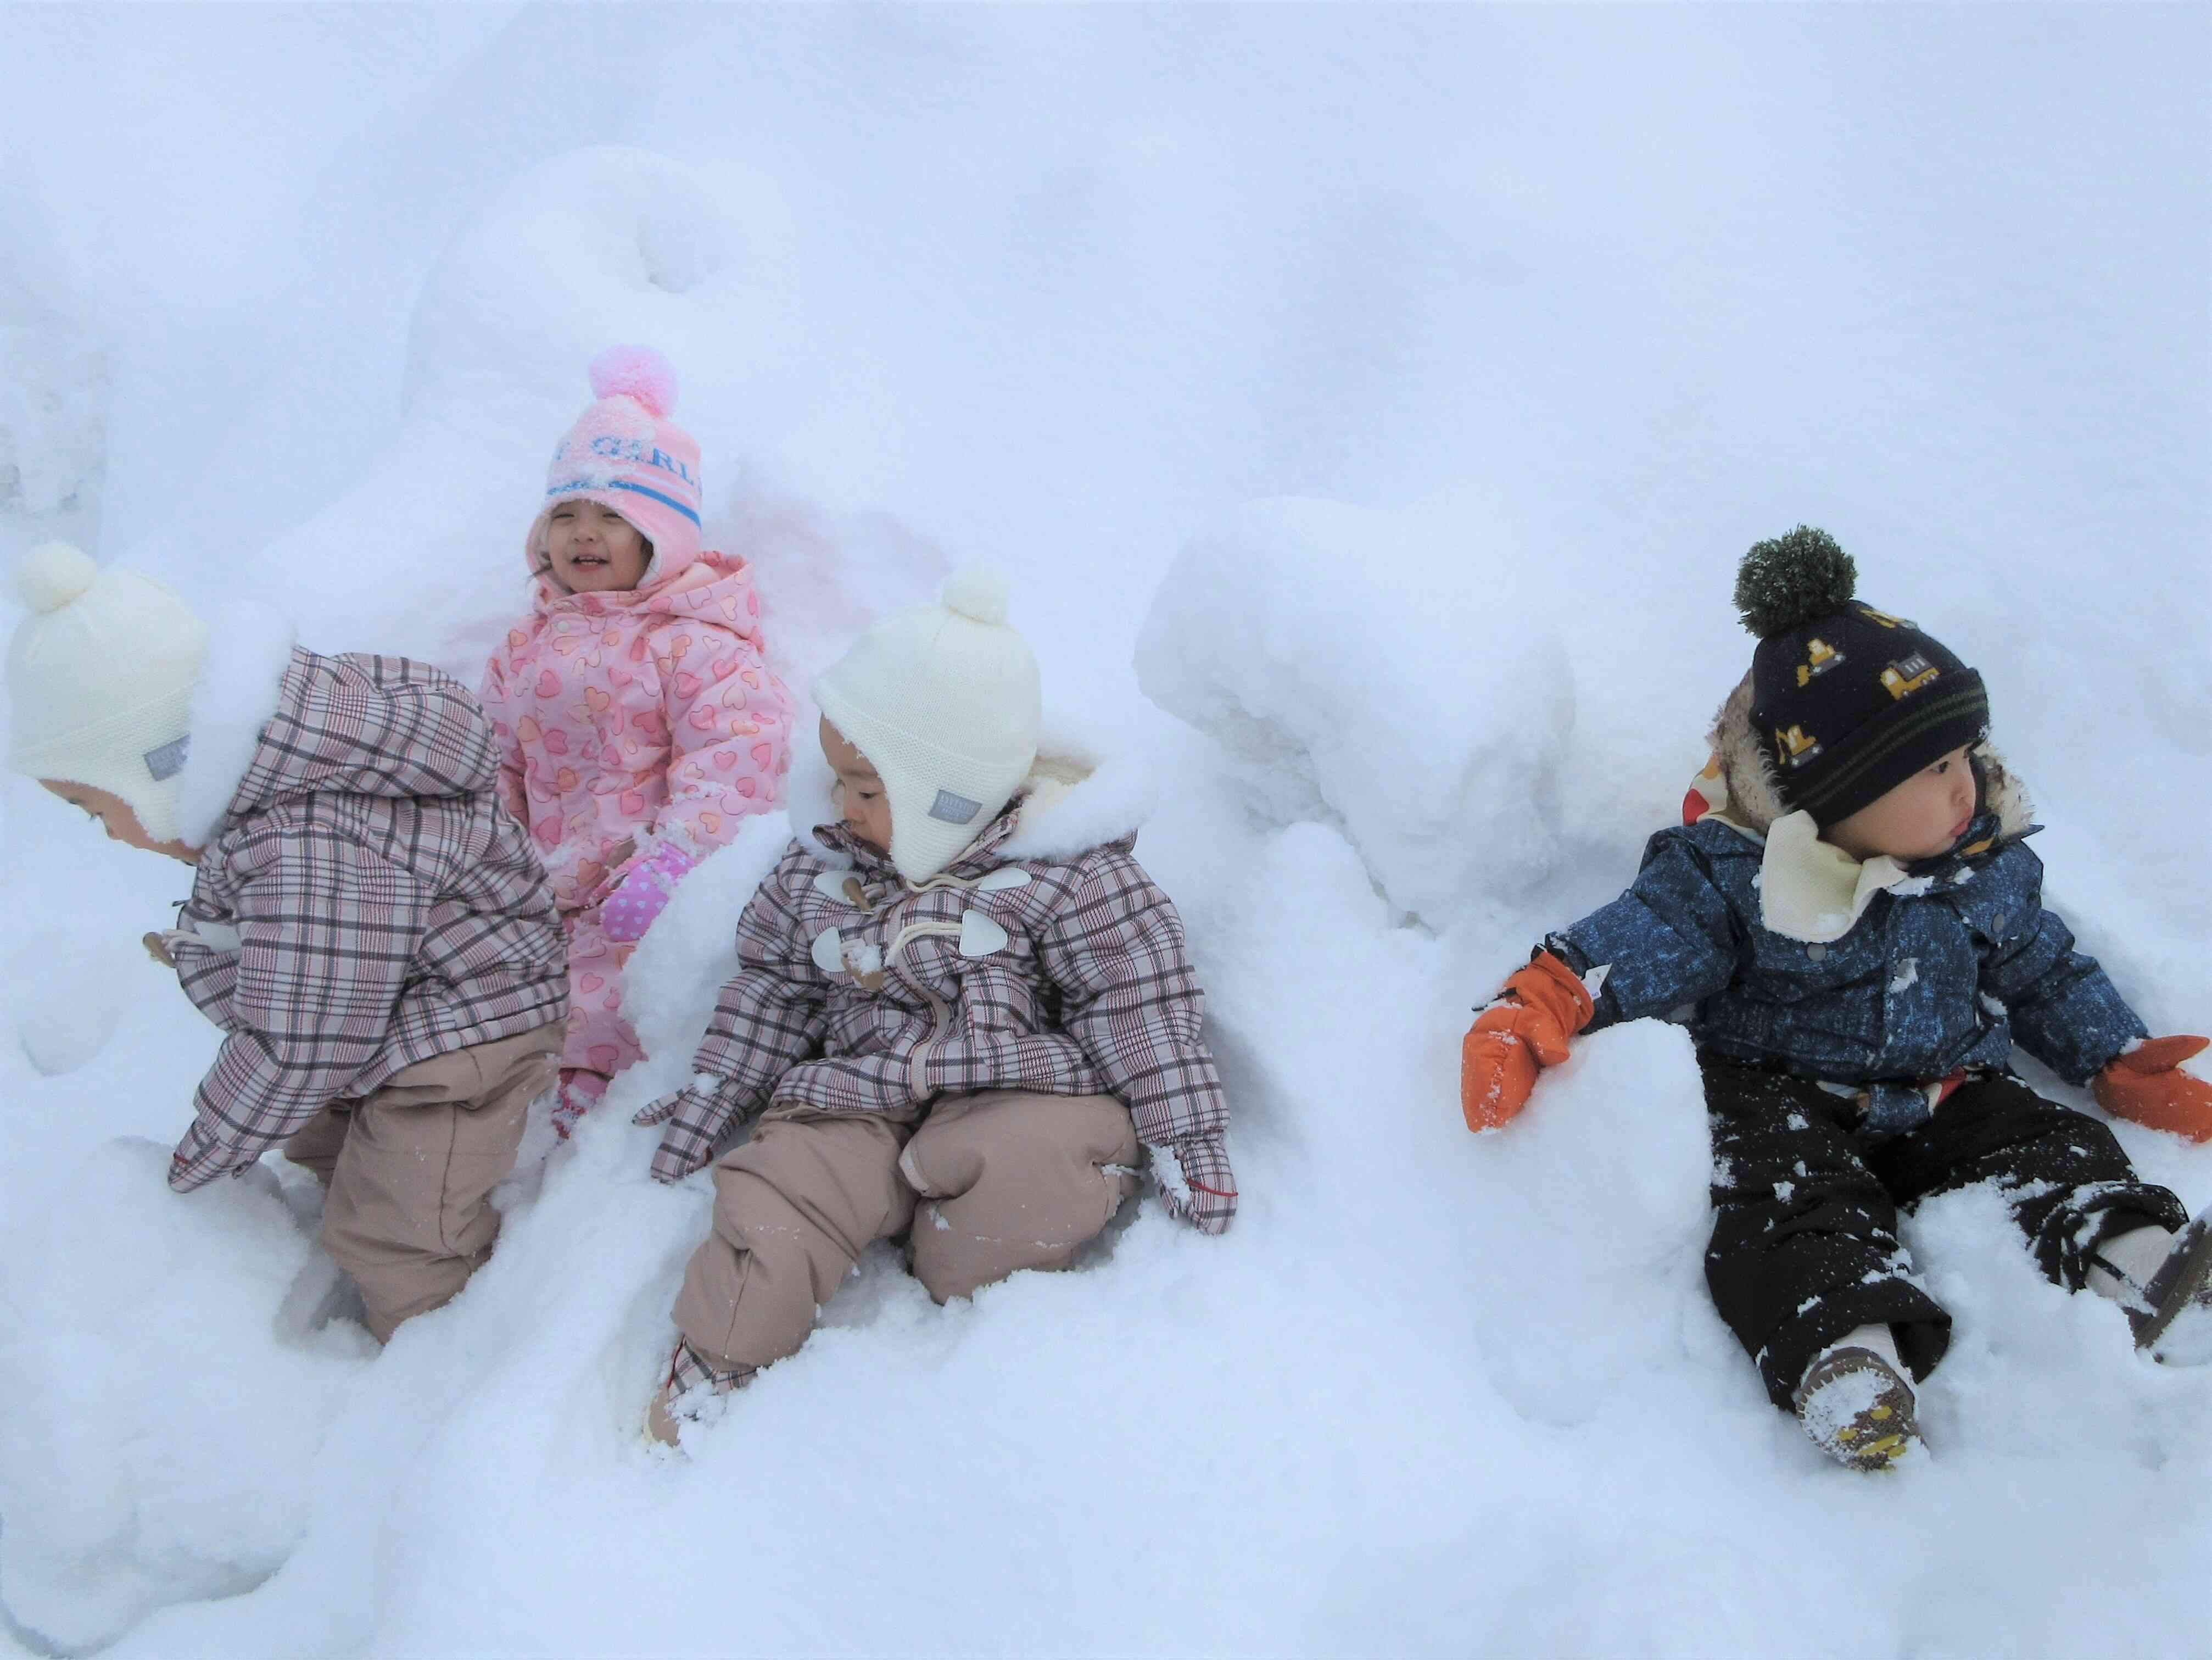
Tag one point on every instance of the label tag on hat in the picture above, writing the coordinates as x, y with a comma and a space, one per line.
952, 809
167, 762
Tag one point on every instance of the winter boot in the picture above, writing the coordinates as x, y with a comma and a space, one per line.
2171, 1307
1857, 1410
693, 1392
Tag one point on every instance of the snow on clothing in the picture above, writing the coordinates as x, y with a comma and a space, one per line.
1804, 1248
362, 902
633, 720
1042, 960
1854, 1023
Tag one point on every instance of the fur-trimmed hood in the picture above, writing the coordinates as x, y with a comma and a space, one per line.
271, 720
1083, 791
1811, 889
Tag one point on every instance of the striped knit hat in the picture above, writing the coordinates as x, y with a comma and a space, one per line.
1848, 700
100, 682
625, 452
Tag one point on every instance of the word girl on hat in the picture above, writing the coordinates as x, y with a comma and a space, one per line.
639, 721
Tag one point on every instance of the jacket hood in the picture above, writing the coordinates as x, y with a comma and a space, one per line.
271, 720
1083, 791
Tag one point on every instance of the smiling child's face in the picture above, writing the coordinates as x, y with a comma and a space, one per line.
867, 811
593, 548
1922, 817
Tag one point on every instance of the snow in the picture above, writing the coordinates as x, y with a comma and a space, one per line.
1387, 394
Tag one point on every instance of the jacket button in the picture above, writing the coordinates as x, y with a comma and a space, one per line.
1817, 952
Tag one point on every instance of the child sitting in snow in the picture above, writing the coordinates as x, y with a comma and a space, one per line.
639, 721
372, 932
959, 999
1851, 924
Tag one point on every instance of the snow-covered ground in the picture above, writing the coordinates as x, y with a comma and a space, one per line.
1369, 406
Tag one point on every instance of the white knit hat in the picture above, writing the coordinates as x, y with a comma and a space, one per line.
99, 681
943, 700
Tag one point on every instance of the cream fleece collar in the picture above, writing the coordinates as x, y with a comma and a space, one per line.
249, 650
1812, 890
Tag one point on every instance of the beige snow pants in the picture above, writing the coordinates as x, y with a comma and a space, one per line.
409, 1170
988, 1184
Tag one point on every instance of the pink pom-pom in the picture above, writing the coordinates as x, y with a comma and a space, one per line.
638, 373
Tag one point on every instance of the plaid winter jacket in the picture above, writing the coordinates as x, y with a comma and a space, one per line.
363, 903
1024, 965
1925, 971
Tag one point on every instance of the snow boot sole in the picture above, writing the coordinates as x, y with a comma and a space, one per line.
2173, 1323
1858, 1411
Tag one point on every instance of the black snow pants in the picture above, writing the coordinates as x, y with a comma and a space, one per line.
1804, 1247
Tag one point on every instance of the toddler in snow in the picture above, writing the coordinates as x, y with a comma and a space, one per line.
374, 935
637, 717
1851, 924
960, 1004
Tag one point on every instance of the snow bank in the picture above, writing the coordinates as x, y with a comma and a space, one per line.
1394, 672
53, 436
160, 1432
66, 995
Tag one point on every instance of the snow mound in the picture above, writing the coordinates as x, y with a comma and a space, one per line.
159, 1439
1390, 672
670, 982
599, 247
67, 994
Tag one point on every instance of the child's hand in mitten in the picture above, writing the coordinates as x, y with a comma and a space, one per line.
2148, 1086
696, 1115
158, 949
1202, 1190
1525, 1029
635, 905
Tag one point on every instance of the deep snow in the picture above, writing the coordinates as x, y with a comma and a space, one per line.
1369, 406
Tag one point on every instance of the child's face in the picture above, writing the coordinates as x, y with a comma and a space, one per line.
594, 549
1924, 816
861, 790
118, 819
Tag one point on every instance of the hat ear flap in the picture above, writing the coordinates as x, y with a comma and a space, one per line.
930, 827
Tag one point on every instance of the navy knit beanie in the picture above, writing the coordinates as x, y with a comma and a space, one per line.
1848, 700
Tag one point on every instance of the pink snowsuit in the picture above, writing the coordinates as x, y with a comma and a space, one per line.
626, 719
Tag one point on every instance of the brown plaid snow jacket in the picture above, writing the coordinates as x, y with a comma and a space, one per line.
366, 903
855, 994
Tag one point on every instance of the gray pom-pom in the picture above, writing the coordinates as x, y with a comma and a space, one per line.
1793, 578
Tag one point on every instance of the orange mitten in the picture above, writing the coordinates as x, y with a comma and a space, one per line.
1525, 1029
2146, 1085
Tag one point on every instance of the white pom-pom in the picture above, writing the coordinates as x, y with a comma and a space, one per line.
52, 574
978, 592
638, 373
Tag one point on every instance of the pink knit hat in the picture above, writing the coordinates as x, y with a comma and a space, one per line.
625, 453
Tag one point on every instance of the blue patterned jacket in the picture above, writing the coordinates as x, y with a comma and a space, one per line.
1944, 971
